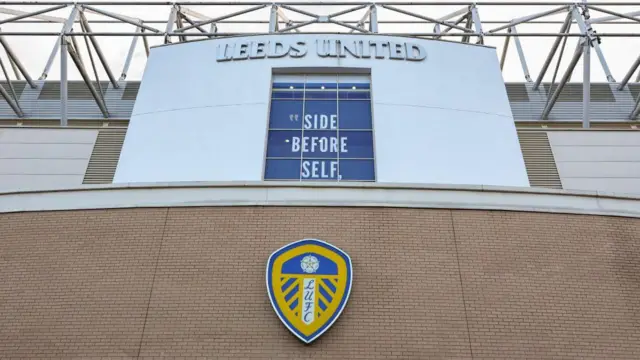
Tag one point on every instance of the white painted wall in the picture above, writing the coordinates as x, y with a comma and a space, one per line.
446, 119
44, 158
597, 160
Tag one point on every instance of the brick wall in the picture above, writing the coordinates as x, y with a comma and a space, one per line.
183, 282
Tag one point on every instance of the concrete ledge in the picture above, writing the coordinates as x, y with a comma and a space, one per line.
114, 196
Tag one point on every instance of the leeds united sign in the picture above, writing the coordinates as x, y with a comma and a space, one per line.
244, 50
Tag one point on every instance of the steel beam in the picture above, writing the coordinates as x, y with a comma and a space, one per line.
126, 19
528, 18
608, 18
297, 26
629, 74
87, 80
425, 18
127, 62
170, 23
35, 13
445, 31
523, 59
241, 12
15, 106
68, 25
505, 47
346, 11
468, 25
180, 25
563, 82
43, 18
16, 71
462, 11
586, 83
286, 19
636, 110
14, 60
101, 56
363, 20
145, 41
587, 30
191, 22
290, 8
565, 28
64, 113
354, 28
624, 16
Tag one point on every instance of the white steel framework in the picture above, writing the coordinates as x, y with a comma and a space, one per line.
191, 21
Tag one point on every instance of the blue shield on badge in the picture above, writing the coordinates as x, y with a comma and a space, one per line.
309, 282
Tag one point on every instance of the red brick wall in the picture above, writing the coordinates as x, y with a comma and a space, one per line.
441, 284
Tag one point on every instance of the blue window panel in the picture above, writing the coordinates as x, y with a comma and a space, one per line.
355, 95
358, 86
284, 143
354, 114
320, 144
282, 169
285, 114
319, 169
311, 85
321, 94
288, 95
288, 85
359, 144
318, 114
357, 170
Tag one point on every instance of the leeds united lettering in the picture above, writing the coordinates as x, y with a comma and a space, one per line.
361, 49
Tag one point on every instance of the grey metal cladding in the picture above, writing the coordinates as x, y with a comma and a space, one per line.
131, 90
77, 90
18, 87
573, 92
634, 89
517, 92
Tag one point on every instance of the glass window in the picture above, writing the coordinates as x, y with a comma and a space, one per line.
320, 129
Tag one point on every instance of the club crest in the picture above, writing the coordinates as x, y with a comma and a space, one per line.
309, 282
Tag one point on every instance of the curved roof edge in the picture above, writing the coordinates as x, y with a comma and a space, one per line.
140, 195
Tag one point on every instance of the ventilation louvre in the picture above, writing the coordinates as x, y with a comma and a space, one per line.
539, 160
76, 90
131, 91
517, 92
105, 155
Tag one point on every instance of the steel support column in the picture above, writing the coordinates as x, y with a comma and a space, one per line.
586, 29
127, 62
273, 19
478, 25
101, 56
87, 80
554, 97
14, 60
64, 115
523, 59
13, 104
565, 28
373, 19
636, 110
170, 23
504, 50
586, 83
68, 25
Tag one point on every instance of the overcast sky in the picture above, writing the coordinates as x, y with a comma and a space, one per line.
619, 52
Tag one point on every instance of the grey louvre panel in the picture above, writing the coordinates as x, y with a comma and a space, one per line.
573, 93
18, 87
635, 90
105, 155
77, 90
517, 92
131, 91
539, 160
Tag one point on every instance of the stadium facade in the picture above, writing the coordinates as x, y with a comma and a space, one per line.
446, 214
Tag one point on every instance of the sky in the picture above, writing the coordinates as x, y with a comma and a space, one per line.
619, 52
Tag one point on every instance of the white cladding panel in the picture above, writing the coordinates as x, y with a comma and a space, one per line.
446, 119
597, 160
44, 158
